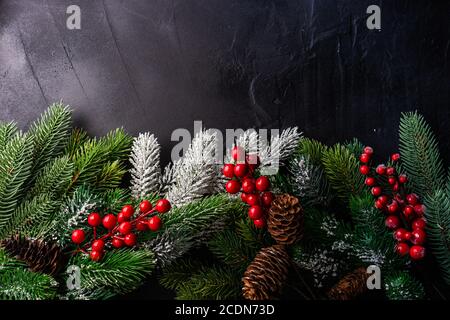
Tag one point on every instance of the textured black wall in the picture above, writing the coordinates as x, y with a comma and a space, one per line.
156, 65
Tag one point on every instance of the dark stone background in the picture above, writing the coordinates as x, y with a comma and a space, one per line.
158, 65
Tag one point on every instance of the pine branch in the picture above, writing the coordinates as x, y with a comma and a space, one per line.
438, 229
115, 199
175, 274
145, 171
21, 284
402, 286
7, 263
420, 154
77, 138
169, 246
110, 176
7, 131
311, 148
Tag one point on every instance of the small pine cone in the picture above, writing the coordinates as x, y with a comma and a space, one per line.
40, 256
350, 286
265, 276
285, 219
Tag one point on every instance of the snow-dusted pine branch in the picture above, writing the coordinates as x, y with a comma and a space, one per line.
145, 171
280, 148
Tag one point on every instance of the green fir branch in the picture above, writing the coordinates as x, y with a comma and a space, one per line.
7, 132
401, 285
21, 284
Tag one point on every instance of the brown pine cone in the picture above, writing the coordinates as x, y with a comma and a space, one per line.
265, 276
40, 256
285, 219
350, 286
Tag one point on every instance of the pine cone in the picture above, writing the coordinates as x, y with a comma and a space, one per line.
351, 286
39, 255
285, 219
265, 276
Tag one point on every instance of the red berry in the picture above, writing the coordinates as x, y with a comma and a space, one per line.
163, 205
390, 171
130, 239
402, 178
125, 228
393, 207
376, 191
419, 224
368, 150
408, 211
262, 183
381, 169
370, 181
392, 180
400, 234
395, 157
267, 198
419, 209
240, 170
248, 186
98, 245
109, 221
228, 170
233, 186
244, 197
383, 199
364, 169
128, 210
117, 243
255, 212
253, 199
395, 187
145, 206
154, 223
402, 249
141, 225
94, 219
379, 205
418, 236
122, 218
95, 255
78, 236
237, 153
407, 236
412, 198
259, 223
364, 158
417, 252
392, 222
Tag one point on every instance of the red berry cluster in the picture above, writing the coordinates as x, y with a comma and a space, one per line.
254, 190
404, 211
121, 229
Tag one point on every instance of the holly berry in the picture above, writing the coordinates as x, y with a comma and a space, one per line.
418, 236
419, 209
379, 205
130, 239
163, 205
240, 170
125, 228
248, 186
267, 198
393, 207
145, 206
95, 255
402, 178
252, 199
381, 169
370, 181
117, 243
154, 223
402, 249
364, 158
383, 199
400, 234
141, 225
262, 183
122, 218
392, 222
128, 211
255, 212
390, 171
368, 150
94, 219
237, 153
395, 187
78, 236
109, 221
228, 170
419, 224
244, 197
392, 180
233, 186
412, 198
259, 223
376, 191
98, 245
417, 252
395, 157
408, 211
364, 169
